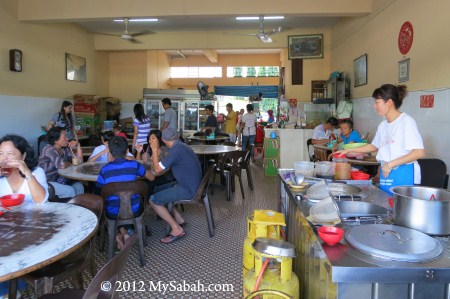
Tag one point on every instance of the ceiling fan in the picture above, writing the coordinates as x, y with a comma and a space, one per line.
127, 36
265, 36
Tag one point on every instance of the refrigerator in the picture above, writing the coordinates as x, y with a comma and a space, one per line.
186, 103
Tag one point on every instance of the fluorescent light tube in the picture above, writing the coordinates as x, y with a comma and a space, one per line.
257, 18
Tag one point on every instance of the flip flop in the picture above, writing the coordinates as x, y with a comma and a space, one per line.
182, 224
172, 238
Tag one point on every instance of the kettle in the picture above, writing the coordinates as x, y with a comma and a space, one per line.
273, 135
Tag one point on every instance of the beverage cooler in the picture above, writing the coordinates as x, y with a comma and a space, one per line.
186, 103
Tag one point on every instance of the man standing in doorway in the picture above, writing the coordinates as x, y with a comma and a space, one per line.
170, 116
230, 123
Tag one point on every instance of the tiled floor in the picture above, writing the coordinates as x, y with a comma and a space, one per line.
197, 258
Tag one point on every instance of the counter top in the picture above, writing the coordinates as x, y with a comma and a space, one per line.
351, 265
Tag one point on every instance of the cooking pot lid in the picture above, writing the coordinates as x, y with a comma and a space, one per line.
394, 242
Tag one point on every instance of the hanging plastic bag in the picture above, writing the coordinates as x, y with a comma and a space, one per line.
344, 109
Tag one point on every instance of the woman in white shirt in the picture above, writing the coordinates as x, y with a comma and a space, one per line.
397, 140
20, 173
248, 128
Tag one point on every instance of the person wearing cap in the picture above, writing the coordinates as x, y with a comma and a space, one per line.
186, 169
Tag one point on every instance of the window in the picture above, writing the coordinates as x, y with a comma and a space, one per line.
253, 71
196, 72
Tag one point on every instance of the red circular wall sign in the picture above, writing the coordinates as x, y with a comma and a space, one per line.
405, 38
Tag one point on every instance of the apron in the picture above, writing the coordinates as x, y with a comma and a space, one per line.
402, 175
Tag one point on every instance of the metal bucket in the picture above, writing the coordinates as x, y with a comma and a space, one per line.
422, 208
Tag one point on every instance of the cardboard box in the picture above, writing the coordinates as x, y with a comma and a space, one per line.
271, 166
272, 147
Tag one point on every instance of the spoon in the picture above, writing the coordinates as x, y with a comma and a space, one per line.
299, 179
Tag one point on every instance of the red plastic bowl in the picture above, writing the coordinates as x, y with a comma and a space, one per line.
12, 200
360, 176
330, 234
339, 156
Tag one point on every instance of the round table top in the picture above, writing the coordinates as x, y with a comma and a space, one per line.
213, 149
322, 146
204, 138
36, 235
87, 171
362, 162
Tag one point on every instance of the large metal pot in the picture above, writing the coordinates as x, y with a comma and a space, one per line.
422, 208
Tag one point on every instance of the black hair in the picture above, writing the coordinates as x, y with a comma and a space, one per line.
389, 91
349, 122
249, 107
117, 126
332, 121
118, 147
139, 113
210, 108
24, 148
67, 117
166, 101
158, 135
54, 134
230, 105
107, 135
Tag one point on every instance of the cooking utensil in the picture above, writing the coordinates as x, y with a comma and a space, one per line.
274, 247
393, 243
299, 179
414, 209
360, 209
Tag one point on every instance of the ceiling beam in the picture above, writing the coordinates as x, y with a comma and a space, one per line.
212, 55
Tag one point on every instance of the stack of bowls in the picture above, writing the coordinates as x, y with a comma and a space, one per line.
359, 175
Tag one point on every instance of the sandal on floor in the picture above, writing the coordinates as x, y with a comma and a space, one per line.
172, 238
182, 224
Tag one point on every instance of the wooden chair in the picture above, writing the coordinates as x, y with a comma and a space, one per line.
434, 173
72, 266
125, 190
200, 197
312, 158
111, 272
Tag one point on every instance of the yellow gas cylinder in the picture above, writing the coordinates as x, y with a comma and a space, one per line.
262, 223
274, 278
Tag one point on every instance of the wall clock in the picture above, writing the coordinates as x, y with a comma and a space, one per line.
405, 38
15, 60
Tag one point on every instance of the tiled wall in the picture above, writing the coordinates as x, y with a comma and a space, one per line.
433, 123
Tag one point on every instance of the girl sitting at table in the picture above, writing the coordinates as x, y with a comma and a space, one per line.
348, 135
100, 153
146, 156
19, 170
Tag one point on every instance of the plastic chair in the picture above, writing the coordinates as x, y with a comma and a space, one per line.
245, 164
434, 173
44, 279
112, 272
312, 158
125, 190
200, 197
229, 167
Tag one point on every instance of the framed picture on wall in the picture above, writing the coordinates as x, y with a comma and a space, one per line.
75, 68
305, 46
360, 70
403, 70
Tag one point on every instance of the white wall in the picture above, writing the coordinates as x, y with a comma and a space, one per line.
433, 123
24, 116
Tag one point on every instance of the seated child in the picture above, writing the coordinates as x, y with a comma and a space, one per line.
120, 169
100, 153
117, 129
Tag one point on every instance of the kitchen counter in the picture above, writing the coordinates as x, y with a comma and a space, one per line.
343, 272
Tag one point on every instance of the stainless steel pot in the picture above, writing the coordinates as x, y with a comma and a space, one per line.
422, 208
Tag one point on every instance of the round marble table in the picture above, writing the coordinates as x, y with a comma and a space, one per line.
212, 149
35, 235
87, 171
207, 140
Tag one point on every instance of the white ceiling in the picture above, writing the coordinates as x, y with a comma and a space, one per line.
203, 23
